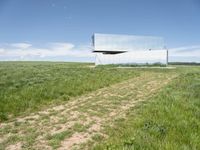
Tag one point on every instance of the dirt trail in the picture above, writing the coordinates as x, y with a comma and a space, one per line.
71, 125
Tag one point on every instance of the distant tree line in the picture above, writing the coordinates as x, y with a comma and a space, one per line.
184, 63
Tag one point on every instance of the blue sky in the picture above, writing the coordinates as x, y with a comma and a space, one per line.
62, 29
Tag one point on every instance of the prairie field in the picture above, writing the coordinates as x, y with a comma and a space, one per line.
27, 86
57, 105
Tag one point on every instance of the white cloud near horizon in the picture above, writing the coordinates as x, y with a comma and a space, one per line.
185, 53
21, 45
61, 46
183, 48
27, 51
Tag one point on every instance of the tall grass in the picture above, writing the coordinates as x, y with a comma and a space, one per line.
27, 86
170, 120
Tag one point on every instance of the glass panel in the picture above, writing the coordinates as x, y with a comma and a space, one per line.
110, 42
134, 57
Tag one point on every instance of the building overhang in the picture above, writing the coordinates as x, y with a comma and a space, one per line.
109, 52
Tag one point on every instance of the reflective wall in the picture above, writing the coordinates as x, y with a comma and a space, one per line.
135, 57
110, 42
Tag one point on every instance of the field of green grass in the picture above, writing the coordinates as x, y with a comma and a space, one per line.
28, 86
48, 105
171, 120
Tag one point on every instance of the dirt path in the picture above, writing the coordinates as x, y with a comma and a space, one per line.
79, 121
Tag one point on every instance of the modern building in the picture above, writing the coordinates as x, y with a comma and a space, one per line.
128, 49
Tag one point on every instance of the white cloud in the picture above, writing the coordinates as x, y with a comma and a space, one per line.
21, 45
183, 48
2, 50
61, 46
24, 51
185, 53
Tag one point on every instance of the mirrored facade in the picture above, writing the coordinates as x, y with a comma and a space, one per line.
134, 57
123, 43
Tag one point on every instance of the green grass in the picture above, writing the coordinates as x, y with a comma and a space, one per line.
79, 127
55, 140
134, 65
29, 86
170, 120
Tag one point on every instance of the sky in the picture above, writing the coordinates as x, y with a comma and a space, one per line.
61, 30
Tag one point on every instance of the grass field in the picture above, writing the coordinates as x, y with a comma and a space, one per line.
170, 121
63, 106
27, 86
